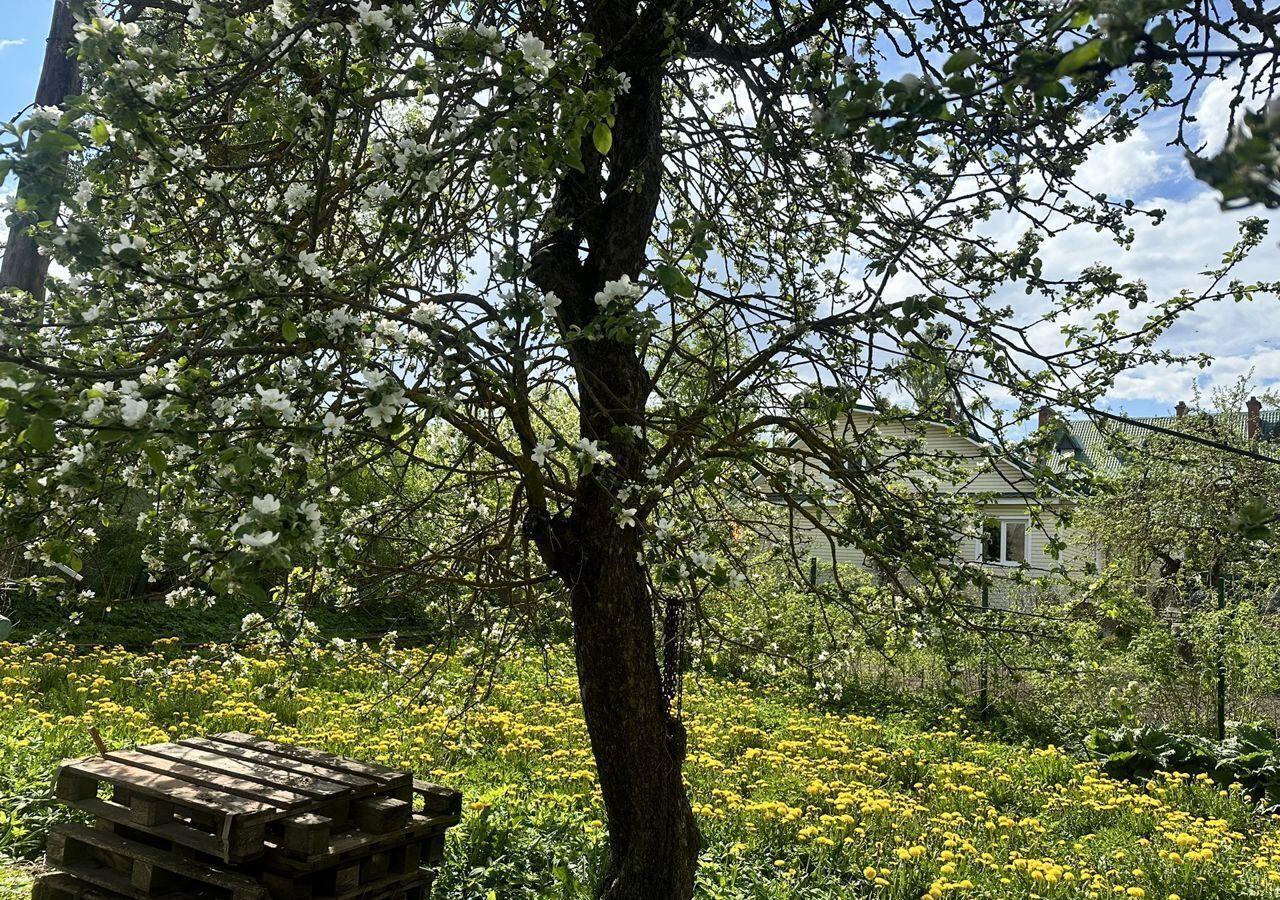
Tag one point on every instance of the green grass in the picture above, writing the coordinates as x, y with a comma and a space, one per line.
795, 801
134, 623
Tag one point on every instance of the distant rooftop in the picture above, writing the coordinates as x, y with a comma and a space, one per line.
1095, 443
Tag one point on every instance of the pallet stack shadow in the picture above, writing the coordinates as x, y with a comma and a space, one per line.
234, 817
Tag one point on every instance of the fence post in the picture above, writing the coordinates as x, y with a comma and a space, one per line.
809, 654
1222, 661
982, 674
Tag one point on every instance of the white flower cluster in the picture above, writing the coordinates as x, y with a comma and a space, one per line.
101, 25
133, 408
536, 54
427, 313
386, 398
542, 450
371, 16
275, 400
308, 263
41, 118
622, 289
590, 453
187, 597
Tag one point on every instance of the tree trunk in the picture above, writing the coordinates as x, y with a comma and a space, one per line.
639, 747
23, 266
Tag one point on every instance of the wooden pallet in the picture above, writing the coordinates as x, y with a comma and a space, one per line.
61, 886
228, 794
234, 817
137, 870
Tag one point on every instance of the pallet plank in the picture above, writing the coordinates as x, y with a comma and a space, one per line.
385, 774
240, 768
279, 797
356, 844
436, 798
61, 886
164, 787
153, 871
342, 781
176, 832
380, 815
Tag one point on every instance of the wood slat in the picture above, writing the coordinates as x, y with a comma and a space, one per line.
281, 798
176, 832
61, 886
301, 785
165, 787
343, 781
355, 844
436, 798
367, 888
385, 774
109, 844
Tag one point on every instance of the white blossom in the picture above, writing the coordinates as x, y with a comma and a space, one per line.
535, 53
275, 399
371, 17
542, 449
307, 263
388, 407
132, 410
125, 242
260, 539
619, 289
266, 505
426, 313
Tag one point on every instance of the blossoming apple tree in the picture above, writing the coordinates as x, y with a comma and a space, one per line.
294, 240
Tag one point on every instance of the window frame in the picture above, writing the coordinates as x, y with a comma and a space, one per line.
1003, 523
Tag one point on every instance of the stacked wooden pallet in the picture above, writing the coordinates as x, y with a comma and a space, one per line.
234, 817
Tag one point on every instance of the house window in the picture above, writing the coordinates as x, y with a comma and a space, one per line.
1004, 541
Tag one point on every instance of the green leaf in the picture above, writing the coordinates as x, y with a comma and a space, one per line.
961, 61
100, 133
1163, 33
156, 458
57, 142
674, 281
289, 331
40, 434
602, 137
1079, 57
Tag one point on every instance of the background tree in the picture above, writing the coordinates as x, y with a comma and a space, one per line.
1179, 515
310, 235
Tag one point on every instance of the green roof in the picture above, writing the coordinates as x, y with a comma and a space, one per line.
1096, 443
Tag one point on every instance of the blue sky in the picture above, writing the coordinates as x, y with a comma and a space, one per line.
1242, 338
24, 25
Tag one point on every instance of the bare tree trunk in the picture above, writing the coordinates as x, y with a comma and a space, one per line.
23, 267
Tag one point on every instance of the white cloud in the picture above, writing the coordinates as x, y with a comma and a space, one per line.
1126, 169
1170, 257
1213, 110
6, 43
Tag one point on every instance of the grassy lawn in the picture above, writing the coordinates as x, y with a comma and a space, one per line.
795, 801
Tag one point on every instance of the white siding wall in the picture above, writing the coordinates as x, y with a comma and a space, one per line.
987, 476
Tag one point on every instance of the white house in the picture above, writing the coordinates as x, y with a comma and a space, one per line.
1019, 531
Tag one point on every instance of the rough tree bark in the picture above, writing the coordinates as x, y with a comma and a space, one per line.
23, 266
639, 745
